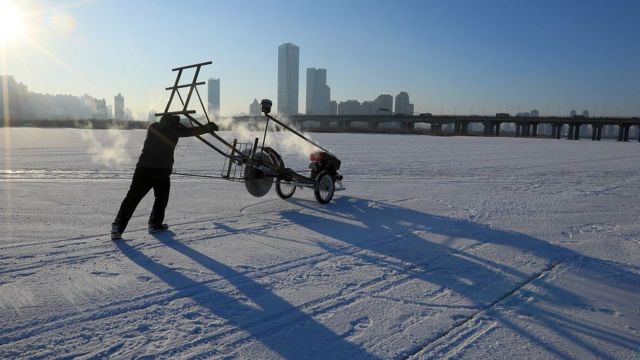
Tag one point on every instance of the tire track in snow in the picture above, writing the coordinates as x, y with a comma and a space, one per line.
38, 262
467, 330
314, 308
122, 307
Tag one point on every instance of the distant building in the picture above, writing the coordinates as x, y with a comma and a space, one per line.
349, 107
403, 106
369, 108
98, 108
18, 103
573, 113
534, 113
318, 93
385, 104
288, 78
213, 97
118, 104
585, 113
255, 108
333, 107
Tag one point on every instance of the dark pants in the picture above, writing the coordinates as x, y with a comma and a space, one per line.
144, 179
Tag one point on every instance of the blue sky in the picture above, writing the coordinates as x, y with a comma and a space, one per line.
451, 56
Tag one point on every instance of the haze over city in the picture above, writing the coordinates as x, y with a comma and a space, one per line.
451, 57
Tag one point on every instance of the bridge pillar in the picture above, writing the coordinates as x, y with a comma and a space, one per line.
498, 123
373, 125
464, 128
436, 129
485, 127
527, 130
558, 133
638, 132
518, 129
534, 129
576, 136
626, 133
620, 133
571, 134
599, 135
594, 132
457, 128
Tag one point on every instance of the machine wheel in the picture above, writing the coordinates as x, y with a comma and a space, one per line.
285, 189
325, 186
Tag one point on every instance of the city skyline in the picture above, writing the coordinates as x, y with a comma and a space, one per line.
459, 58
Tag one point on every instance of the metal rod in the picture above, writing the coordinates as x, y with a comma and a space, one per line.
198, 175
202, 104
195, 80
180, 97
184, 86
233, 149
166, 109
255, 145
192, 66
185, 113
264, 137
297, 133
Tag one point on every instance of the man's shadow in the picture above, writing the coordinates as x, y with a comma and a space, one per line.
393, 233
267, 322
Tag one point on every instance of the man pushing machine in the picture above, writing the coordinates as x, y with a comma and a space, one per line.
153, 171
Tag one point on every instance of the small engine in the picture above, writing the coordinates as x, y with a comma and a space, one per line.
323, 161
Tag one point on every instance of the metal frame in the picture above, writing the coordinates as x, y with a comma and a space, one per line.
235, 157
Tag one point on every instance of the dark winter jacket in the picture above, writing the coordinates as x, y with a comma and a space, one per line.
161, 141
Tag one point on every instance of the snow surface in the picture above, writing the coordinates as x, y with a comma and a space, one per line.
440, 247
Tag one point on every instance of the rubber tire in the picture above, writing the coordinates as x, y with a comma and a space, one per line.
326, 181
281, 193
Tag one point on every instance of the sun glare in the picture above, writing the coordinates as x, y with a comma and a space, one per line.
12, 24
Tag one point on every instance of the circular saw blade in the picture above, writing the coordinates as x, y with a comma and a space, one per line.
255, 180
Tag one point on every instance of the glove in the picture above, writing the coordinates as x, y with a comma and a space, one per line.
211, 127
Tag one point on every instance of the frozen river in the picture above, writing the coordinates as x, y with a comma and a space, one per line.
466, 247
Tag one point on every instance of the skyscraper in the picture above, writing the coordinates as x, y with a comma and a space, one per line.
385, 104
318, 93
213, 97
118, 105
288, 76
403, 106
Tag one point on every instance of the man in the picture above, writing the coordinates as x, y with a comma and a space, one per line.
153, 171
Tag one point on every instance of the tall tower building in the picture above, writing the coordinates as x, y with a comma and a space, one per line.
288, 78
213, 97
118, 107
318, 93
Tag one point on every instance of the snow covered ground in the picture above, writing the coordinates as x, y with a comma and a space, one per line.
440, 247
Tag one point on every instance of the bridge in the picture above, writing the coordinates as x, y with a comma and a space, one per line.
460, 124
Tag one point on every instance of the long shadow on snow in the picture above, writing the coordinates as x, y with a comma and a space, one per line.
276, 323
390, 232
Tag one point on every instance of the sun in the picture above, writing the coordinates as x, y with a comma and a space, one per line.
12, 26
